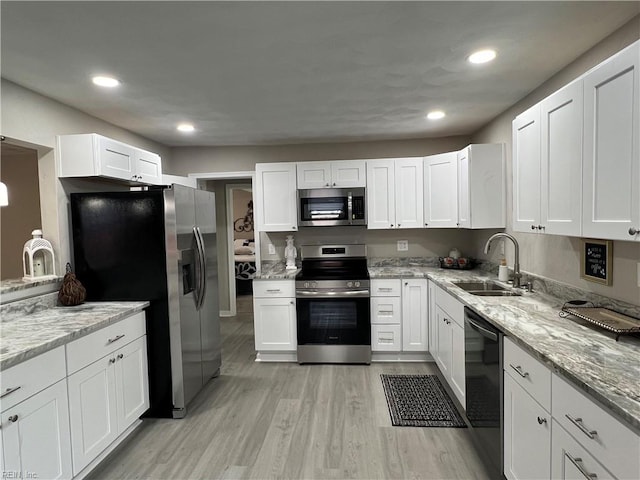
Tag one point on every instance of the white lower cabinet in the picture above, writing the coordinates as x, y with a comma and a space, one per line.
105, 398
35, 436
274, 316
415, 313
449, 348
527, 434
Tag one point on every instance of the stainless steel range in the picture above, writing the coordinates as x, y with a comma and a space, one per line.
332, 305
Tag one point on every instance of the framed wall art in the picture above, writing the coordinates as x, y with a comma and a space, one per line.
596, 261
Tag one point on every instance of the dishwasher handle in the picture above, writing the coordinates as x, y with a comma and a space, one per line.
480, 325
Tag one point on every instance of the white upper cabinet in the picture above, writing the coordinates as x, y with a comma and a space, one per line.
90, 155
336, 174
611, 169
441, 190
276, 199
526, 170
394, 193
561, 161
481, 186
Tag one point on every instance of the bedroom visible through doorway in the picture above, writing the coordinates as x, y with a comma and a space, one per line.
241, 229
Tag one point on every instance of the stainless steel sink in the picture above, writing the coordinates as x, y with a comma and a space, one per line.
487, 289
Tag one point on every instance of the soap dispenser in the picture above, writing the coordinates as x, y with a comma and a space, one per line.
503, 271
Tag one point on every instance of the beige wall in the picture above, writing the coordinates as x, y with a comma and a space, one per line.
19, 171
553, 256
233, 159
32, 120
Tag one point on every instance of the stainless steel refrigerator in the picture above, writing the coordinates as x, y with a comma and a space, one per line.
157, 245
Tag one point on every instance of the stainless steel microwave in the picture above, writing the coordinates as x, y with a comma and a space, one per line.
324, 207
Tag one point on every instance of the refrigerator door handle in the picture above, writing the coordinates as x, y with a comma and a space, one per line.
197, 291
202, 280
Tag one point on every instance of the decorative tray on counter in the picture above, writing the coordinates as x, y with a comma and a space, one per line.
605, 318
462, 263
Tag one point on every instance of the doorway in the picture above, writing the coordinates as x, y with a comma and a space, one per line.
241, 240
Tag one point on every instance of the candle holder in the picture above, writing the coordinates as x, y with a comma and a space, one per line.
38, 259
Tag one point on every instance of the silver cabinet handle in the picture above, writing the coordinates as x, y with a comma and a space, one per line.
13, 418
384, 289
519, 371
273, 290
115, 339
385, 312
578, 423
634, 231
577, 461
9, 391
541, 420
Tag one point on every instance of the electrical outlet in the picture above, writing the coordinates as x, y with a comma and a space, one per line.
272, 249
403, 245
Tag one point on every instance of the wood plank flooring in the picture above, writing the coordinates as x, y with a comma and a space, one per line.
289, 421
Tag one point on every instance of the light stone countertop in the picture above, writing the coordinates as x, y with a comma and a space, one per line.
591, 359
276, 271
33, 331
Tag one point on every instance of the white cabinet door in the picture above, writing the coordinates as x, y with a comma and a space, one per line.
526, 170
433, 331
441, 190
276, 199
415, 335
36, 437
561, 161
348, 173
409, 192
275, 324
527, 435
464, 208
611, 168
314, 174
148, 167
132, 382
92, 410
381, 194
457, 382
115, 159
444, 348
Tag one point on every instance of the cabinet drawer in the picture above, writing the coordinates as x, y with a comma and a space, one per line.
570, 460
386, 338
605, 437
268, 289
528, 372
31, 376
96, 345
386, 287
386, 310
451, 305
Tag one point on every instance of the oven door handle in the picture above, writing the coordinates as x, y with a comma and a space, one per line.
315, 294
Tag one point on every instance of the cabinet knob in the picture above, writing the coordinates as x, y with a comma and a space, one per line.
120, 356
326, 184
13, 418
406, 283
112, 360
426, 224
540, 227
392, 224
291, 302
398, 224
533, 227
334, 184
541, 420
634, 231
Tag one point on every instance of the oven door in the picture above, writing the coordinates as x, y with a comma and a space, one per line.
333, 320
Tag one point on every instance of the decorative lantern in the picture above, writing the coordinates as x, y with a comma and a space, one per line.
38, 259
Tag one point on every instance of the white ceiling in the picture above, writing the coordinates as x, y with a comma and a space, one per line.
293, 72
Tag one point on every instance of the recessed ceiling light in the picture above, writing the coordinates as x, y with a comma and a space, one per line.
482, 56
103, 81
435, 115
185, 127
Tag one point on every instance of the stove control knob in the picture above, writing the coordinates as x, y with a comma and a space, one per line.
314, 284
306, 284
357, 284
349, 284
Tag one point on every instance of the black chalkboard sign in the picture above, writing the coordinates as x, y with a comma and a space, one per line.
596, 261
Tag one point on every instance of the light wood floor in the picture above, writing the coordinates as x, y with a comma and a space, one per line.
290, 421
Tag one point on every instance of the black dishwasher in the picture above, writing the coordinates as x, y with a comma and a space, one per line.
483, 384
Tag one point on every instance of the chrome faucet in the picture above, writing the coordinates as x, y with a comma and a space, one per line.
516, 264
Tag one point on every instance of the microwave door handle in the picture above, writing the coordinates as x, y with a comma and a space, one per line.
350, 207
